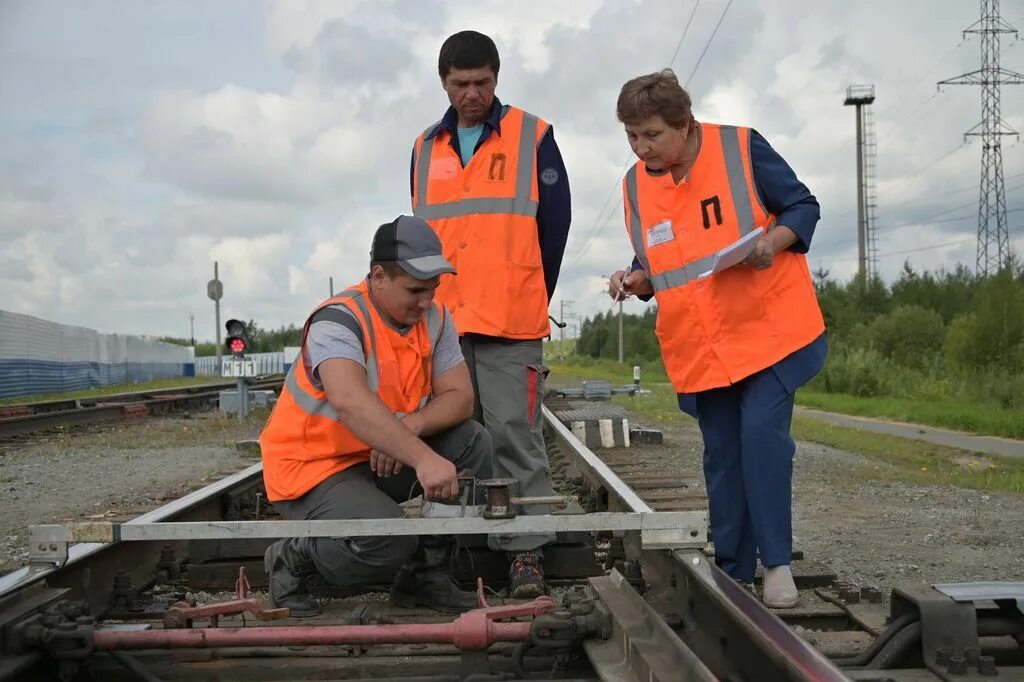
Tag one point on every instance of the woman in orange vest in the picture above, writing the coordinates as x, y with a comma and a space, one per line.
736, 343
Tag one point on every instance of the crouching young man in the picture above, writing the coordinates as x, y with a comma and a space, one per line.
377, 409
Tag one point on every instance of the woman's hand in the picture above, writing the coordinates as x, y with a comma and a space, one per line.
636, 284
761, 257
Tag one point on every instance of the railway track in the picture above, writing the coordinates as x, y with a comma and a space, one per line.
124, 610
19, 423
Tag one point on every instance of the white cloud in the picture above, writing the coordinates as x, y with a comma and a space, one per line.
278, 147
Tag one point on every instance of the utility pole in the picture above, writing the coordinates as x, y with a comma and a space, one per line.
215, 290
192, 329
332, 287
561, 331
620, 331
861, 97
993, 234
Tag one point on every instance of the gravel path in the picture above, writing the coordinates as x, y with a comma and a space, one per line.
871, 531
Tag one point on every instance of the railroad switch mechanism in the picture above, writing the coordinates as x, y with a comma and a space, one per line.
69, 636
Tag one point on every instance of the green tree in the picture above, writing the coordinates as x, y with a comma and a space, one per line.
992, 334
910, 335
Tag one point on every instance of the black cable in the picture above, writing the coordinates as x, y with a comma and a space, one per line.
686, 29
601, 221
866, 656
707, 45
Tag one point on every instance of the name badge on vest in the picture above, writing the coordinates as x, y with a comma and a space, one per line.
445, 168
660, 233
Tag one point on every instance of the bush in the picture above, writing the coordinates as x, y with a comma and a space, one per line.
856, 371
1005, 389
910, 335
990, 335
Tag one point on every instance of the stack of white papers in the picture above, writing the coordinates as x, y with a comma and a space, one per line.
734, 253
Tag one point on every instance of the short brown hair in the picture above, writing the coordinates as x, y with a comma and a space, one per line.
391, 268
655, 94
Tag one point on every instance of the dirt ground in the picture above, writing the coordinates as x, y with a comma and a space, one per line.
868, 532
873, 532
113, 472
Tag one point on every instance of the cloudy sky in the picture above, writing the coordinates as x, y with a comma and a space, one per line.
139, 142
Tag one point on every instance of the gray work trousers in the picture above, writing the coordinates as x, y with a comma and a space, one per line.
508, 379
354, 564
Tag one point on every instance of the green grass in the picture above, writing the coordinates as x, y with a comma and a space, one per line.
111, 390
970, 417
587, 368
911, 461
889, 458
942, 412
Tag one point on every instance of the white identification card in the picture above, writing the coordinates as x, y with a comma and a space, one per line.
660, 233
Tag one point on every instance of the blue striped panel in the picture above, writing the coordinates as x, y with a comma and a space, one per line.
21, 377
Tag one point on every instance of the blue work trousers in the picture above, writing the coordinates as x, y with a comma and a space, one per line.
748, 469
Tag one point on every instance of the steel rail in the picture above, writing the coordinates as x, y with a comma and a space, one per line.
30, 423
694, 587
198, 505
61, 404
590, 466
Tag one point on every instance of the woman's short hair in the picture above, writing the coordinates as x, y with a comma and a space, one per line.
655, 94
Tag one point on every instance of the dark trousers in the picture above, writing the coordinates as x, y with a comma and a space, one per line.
354, 564
508, 380
748, 469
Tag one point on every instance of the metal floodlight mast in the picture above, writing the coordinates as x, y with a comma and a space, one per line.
993, 234
861, 97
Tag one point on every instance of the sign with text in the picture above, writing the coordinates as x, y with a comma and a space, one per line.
231, 367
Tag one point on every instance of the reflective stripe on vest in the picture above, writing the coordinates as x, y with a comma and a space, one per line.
313, 406
741, 199
520, 204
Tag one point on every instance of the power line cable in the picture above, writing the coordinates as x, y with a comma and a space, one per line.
707, 45
600, 226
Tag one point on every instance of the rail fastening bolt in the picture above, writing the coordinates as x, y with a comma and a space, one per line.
957, 665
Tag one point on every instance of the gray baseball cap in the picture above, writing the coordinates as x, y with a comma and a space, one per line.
413, 244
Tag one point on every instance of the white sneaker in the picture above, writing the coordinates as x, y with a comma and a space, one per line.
779, 588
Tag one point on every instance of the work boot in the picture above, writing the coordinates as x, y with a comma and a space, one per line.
426, 580
526, 577
779, 590
287, 571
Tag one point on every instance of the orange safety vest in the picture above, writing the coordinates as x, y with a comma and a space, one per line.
716, 331
304, 442
486, 217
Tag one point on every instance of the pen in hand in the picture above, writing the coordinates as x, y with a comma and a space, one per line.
622, 285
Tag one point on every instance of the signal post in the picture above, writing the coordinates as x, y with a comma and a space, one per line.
237, 342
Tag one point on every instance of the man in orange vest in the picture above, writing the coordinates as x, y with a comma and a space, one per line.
377, 409
738, 343
490, 180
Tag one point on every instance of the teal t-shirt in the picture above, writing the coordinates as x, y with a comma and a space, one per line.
468, 138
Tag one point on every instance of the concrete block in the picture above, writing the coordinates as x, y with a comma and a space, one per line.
646, 436
229, 400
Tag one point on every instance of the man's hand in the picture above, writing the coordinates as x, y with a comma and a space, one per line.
382, 465
438, 477
636, 283
761, 257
